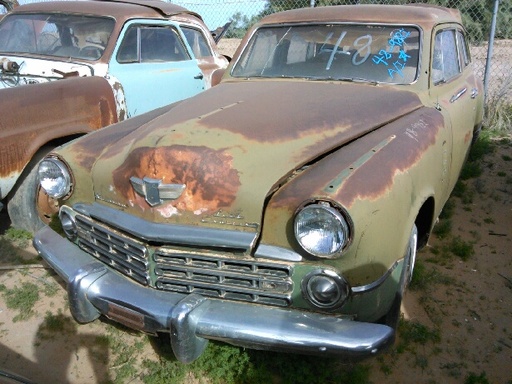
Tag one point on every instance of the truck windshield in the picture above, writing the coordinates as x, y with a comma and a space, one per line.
374, 53
60, 35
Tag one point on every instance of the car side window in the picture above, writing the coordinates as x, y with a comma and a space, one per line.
445, 63
465, 58
197, 42
151, 44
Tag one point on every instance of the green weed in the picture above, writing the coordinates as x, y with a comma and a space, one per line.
225, 364
448, 209
22, 299
18, 237
473, 378
461, 248
483, 146
56, 325
424, 278
443, 228
471, 170
412, 332
454, 369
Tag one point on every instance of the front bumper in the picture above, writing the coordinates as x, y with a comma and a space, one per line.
94, 289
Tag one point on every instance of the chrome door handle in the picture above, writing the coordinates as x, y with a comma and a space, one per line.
199, 76
458, 95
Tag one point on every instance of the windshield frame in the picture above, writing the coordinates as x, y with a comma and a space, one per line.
249, 46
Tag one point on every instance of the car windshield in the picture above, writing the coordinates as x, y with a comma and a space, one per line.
60, 35
374, 53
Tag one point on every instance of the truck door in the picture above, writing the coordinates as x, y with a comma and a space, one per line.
154, 65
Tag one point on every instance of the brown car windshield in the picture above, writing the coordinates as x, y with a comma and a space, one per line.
60, 35
374, 53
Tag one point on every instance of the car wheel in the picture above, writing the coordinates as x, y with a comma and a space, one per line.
22, 203
393, 316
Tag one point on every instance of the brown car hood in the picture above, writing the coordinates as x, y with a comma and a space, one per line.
234, 144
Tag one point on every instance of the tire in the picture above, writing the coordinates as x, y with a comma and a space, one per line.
22, 203
393, 316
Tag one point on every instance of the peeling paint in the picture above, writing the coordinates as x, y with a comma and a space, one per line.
211, 182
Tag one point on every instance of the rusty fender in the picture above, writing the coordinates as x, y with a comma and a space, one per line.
31, 116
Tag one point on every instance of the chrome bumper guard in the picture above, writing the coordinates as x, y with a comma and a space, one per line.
95, 289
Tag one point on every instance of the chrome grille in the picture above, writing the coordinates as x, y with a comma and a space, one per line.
115, 249
203, 272
215, 276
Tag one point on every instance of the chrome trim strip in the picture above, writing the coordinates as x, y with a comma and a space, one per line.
377, 283
276, 253
167, 233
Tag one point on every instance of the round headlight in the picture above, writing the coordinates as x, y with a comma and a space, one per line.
321, 230
54, 178
325, 289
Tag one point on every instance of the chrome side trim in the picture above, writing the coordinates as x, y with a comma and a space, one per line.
276, 253
177, 234
377, 283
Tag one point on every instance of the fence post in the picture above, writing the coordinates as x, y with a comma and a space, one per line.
489, 49
312, 3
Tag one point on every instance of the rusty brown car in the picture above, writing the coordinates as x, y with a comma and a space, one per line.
282, 209
119, 59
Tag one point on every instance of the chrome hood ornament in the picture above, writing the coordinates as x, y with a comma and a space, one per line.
154, 192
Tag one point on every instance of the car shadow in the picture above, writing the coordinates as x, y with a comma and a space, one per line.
59, 356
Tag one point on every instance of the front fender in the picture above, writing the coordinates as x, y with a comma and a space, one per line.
381, 179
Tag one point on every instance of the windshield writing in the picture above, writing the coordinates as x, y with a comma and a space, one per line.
372, 53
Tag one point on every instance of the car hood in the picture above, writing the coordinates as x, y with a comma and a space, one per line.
214, 159
33, 70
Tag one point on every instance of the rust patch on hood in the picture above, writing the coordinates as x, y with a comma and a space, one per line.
211, 182
275, 111
366, 168
89, 148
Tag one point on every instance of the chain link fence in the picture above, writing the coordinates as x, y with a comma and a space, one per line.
486, 21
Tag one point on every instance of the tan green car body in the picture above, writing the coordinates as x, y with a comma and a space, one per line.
253, 152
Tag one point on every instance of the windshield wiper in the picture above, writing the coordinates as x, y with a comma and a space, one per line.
347, 79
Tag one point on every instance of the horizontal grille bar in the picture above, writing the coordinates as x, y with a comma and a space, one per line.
119, 251
215, 276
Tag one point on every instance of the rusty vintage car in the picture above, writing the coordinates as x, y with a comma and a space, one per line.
118, 59
281, 209
7, 6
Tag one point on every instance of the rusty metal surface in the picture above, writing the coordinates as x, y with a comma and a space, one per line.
420, 14
43, 112
9, 4
225, 156
121, 11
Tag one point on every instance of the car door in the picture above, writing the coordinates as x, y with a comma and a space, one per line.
155, 66
208, 62
453, 87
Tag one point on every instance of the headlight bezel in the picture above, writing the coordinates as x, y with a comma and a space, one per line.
336, 282
338, 214
64, 191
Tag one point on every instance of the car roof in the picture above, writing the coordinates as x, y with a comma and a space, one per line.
120, 9
424, 15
